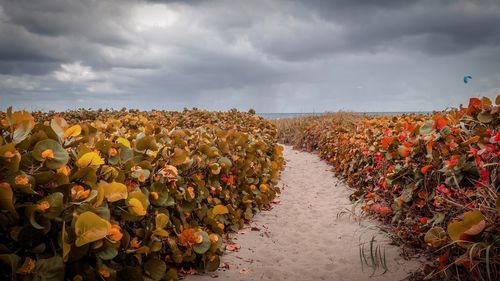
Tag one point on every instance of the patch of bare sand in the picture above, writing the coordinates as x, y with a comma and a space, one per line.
303, 238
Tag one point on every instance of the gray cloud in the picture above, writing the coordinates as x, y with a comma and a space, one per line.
275, 56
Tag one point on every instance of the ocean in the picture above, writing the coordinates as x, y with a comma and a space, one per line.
292, 115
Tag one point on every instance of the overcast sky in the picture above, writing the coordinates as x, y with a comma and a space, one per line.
274, 56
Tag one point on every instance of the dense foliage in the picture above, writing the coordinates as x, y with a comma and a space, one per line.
434, 179
115, 195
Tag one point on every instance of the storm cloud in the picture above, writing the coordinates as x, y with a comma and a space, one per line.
274, 56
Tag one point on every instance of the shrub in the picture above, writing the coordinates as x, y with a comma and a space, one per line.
434, 179
107, 195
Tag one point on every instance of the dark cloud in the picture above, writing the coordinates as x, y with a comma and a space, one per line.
95, 21
270, 55
433, 27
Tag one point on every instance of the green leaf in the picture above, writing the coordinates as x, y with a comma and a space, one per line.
205, 243
13, 261
164, 199
427, 129
60, 156
225, 163
131, 273
485, 117
108, 252
12, 161
155, 268
51, 269
56, 203
6, 196
212, 263
171, 275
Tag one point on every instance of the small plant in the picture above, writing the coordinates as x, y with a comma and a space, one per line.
372, 255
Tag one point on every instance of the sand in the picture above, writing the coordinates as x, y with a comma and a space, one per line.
309, 235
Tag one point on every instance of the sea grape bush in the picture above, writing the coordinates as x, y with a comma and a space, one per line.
434, 179
115, 195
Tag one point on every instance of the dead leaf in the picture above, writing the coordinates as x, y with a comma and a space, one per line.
244, 270
233, 247
224, 265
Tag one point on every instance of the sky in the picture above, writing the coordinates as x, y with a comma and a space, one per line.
270, 55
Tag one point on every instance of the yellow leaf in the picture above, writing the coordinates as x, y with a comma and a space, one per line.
137, 207
115, 191
138, 203
73, 131
161, 220
220, 210
66, 247
89, 227
123, 141
160, 232
471, 224
89, 159
99, 197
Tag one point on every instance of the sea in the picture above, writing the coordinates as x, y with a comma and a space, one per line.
275, 116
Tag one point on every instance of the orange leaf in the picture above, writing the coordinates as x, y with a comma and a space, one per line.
425, 169
474, 105
429, 147
386, 142
440, 123
472, 140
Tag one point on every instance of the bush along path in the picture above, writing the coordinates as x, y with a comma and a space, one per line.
128, 195
311, 234
432, 178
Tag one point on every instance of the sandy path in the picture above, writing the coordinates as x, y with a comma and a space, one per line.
302, 238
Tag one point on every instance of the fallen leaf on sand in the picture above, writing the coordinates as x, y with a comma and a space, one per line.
224, 265
233, 247
243, 270
190, 271
215, 275
254, 228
